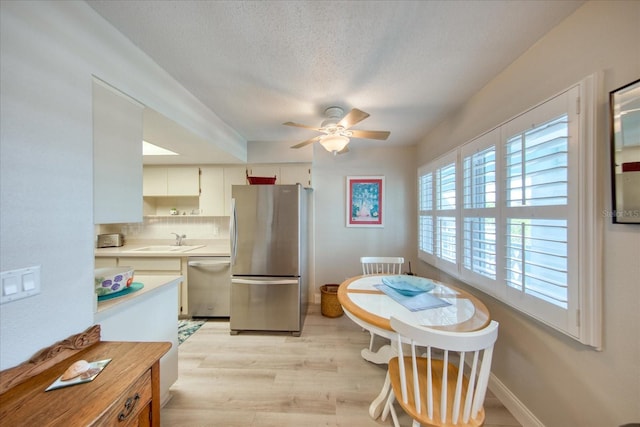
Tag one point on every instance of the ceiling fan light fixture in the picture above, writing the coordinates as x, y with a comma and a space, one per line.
334, 143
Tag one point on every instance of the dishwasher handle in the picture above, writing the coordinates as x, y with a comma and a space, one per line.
208, 263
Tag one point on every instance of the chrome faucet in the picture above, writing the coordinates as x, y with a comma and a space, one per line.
179, 238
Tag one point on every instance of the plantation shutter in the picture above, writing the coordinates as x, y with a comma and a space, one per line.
479, 209
536, 179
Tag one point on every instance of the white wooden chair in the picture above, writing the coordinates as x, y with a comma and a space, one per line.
447, 391
380, 265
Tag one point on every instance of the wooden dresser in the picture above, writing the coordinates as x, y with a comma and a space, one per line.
125, 393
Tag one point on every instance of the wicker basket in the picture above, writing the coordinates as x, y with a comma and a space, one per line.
329, 304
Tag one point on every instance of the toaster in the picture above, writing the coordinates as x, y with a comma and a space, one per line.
110, 240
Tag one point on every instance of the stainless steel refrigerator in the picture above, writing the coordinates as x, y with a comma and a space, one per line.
269, 257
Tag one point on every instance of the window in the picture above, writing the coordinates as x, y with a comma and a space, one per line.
479, 210
526, 213
437, 214
425, 206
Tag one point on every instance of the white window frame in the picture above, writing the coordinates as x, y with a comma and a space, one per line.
582, 319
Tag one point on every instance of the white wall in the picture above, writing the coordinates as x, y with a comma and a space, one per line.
562, 382
49, 52
338, 248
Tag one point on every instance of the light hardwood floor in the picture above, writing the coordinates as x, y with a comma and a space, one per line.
260, 380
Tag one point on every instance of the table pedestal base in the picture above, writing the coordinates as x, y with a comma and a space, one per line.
379, 357
376, 407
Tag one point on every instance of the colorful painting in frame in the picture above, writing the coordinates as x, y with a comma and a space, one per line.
365, 201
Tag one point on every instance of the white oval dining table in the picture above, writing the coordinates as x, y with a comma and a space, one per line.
371, 309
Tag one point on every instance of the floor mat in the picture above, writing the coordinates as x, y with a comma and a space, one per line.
186, 328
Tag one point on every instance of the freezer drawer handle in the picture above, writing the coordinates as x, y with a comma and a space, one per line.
265, 282
207, 263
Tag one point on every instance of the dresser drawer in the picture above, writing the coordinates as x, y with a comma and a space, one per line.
135, 401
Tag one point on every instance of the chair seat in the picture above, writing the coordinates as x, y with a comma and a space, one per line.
436, 372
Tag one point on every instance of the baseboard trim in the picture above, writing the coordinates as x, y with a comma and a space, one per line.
519, 411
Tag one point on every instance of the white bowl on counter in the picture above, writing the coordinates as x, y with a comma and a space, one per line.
110, 280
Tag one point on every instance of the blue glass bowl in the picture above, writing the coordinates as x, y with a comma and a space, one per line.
408, 285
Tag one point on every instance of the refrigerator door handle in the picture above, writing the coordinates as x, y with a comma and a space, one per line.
265, 282
233, 223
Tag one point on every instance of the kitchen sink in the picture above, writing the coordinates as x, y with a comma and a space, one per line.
166, 248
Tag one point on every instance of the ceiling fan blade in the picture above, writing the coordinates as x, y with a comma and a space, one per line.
353, 117
302, 126
307, 142
370, 134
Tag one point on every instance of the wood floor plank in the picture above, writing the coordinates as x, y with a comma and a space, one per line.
265, 380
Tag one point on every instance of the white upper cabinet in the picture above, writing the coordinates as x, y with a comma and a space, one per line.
154, 181
212, 196
294, 174
183, 181
232, 176
284, 173
160, 181
117, 156
216, 182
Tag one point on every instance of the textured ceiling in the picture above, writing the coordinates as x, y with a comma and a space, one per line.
257, 64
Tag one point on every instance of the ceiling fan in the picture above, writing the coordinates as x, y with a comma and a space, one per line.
336, 130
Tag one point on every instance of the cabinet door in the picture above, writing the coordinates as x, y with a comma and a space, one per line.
232, 176
212, 195
296, 174
102, 262
154, 181
183, 181
117, 156
161, 266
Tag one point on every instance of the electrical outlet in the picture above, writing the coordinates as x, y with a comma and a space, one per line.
18, 284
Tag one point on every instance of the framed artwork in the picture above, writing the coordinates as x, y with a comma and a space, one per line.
625, 153
365, 201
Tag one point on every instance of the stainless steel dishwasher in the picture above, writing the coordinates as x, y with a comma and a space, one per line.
209, 286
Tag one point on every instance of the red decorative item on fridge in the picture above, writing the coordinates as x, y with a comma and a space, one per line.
631, 167
261, 180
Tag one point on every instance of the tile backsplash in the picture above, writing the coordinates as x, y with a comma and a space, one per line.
195, 227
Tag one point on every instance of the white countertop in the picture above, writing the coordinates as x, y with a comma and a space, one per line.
219, 247
151, 284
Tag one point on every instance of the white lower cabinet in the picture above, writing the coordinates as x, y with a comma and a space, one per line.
103, 262
155, 266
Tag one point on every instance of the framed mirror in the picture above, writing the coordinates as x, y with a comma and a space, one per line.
625, 153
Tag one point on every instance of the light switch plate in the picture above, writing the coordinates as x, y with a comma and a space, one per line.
18, 284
